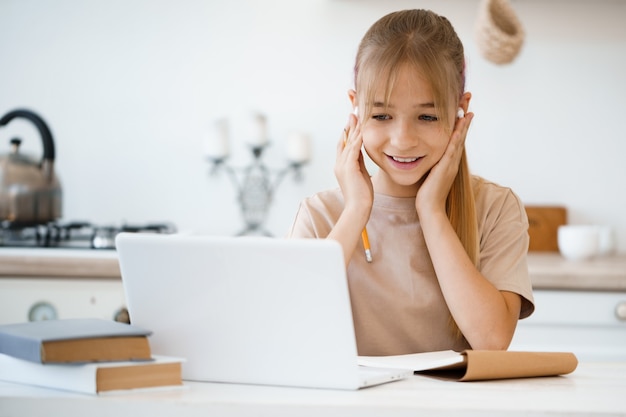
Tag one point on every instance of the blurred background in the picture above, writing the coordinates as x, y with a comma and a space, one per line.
131, 90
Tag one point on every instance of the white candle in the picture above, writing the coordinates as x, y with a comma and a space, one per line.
216, 145
257, 131
298, 148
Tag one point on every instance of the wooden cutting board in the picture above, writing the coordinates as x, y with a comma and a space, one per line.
544, 222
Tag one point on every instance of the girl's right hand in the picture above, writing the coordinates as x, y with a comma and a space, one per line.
351, 173
356, 187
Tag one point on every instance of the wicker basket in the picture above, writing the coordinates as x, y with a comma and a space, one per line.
499, 32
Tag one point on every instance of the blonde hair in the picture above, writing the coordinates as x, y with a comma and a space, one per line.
427, 42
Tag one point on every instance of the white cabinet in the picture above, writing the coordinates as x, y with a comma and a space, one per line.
592, 324
580, 307
64, 283
23, 299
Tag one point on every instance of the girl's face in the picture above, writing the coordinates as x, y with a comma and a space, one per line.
404, 136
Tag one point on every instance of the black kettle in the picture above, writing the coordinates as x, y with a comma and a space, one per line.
30, 192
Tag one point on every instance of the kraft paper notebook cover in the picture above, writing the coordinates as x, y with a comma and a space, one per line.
476, 365
74, 340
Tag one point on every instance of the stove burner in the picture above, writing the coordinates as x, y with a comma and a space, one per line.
71, 235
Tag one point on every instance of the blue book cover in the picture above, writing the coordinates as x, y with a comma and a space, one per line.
26, 340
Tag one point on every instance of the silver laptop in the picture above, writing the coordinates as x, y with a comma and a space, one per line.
251, 310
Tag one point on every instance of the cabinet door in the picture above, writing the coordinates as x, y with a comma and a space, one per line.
590, 324
23, 299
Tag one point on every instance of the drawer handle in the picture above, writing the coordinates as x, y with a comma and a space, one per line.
620, 311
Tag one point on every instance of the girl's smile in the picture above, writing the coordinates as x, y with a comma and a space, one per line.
404, 162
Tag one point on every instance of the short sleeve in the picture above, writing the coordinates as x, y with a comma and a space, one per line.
503, 227
317, 215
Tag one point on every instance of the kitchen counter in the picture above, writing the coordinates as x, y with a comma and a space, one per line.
552, 271
53, 263
594, 389
547, 270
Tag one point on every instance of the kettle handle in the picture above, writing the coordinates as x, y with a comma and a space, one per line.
44, 131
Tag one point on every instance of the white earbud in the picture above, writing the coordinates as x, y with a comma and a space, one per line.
460, 113
356, 111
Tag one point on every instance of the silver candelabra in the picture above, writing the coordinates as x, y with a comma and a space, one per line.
256, 182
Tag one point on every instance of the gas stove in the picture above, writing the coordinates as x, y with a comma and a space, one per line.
71, 235
42, 295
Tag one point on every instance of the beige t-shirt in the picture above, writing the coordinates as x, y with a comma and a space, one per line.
397, 303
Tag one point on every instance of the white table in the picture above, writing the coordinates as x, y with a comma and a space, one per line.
594, 389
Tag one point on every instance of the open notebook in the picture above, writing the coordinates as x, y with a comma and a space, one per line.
247, 309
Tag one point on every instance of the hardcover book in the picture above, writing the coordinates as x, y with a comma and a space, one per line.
74, 340
94, 378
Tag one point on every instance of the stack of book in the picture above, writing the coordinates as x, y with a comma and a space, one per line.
84, 355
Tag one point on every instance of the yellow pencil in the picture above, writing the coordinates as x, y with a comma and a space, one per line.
366, 245
364, 237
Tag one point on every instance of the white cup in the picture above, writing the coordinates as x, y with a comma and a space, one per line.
578, 242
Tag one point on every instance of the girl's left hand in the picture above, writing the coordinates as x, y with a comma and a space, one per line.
434, 191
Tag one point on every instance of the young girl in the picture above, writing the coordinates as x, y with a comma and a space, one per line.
449, 250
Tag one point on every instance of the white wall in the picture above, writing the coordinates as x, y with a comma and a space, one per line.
130, 87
